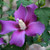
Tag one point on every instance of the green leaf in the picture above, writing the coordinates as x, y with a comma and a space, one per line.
13, 47
43, 15
10, 33
45, 36
43, 44
24, 2
10, 12
29, 40
37, 39
48, 28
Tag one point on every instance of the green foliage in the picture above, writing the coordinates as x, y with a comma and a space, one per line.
10, 12
10, 33
13, 47
45, 37
43, 15
48, 28
37, 39
29, 40
24, 2
43, 44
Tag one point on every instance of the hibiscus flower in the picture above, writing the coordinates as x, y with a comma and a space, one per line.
26, 24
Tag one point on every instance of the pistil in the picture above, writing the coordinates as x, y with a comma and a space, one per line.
22, 24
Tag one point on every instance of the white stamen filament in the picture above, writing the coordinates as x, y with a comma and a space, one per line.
22, 24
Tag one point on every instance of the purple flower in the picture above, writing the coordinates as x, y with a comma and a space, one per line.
1, 41
25, 24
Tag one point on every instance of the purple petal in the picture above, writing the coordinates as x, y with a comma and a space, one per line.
35, 28
30, 16
7, 26
18, 38
20, 13
1, 41
33, 6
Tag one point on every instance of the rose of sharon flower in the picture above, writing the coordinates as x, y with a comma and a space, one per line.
25, 24
1, 41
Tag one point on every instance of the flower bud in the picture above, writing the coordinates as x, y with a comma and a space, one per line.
41, 3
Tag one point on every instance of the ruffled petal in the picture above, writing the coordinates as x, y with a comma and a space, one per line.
7, 26
20, 13
35, 28
1, 41
18, 38
33, 6
30, 16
